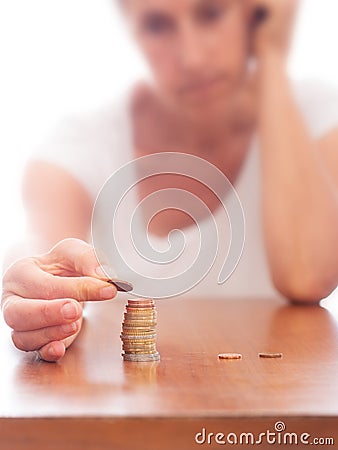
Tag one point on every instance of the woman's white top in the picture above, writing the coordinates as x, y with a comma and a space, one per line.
94, 145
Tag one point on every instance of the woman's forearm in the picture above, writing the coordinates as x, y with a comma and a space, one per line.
300, 201
57, 207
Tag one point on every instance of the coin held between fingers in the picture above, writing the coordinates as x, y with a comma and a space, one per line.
121, 286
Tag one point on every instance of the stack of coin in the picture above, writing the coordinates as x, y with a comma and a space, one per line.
139, 331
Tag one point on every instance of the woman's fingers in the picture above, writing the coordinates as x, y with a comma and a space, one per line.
41, 295
272, 22
31, 314
35, 340
77, 257
53, 351
82, 289
27, 279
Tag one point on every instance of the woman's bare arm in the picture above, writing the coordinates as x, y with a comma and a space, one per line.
57, 207
299, 174
300, 191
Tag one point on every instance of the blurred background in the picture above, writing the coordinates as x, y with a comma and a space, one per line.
63, 56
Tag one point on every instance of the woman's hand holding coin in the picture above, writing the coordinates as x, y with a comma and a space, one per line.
42, 296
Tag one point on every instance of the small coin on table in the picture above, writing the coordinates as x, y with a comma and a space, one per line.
229, 356
270, 355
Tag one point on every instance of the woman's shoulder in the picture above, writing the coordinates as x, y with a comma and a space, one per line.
102, 123
106, 117
318, 102
89, 144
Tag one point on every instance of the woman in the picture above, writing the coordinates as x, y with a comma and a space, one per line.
204, 97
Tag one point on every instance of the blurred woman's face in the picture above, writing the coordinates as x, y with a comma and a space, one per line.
197, 49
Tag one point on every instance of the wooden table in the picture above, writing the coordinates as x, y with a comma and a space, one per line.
94, 400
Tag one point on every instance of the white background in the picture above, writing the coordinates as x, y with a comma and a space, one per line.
58, 56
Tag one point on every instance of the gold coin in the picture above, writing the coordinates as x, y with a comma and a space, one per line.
126, 336
137, 332
138, 328
134, 337
133, 330
130, 333
148, 318
132, 322
140, 314
150, 309
139, 317
144, 327
136, 344
140, 309
143, 301
141, 323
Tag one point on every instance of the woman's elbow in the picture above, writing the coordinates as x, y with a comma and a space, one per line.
310, 291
